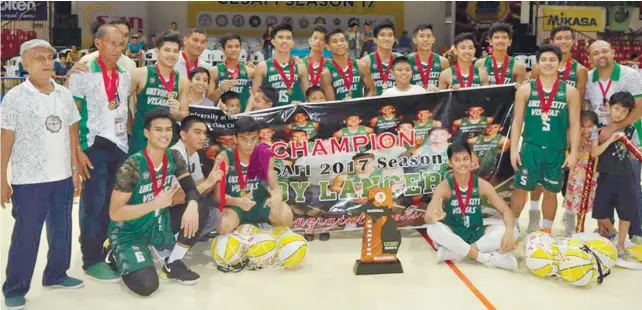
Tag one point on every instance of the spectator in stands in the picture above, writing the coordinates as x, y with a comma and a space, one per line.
73, 56
173, 26
152, 43
142, 38
353, 36
367, 40
21, 70
62, 66
405, 43
266, 43
199, 82
135, 50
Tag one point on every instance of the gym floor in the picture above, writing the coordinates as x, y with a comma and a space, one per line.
326, 281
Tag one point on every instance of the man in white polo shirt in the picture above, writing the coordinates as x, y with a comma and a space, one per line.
608, 78
194, 43
37, 121
101, 96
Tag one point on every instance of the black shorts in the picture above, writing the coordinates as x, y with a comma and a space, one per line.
615, 191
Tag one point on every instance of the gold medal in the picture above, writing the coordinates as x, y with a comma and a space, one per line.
544, 117
349, 95
112, 105
170, 95
243, 193
290, 91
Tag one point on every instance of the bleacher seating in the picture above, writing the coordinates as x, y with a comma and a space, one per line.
12, 39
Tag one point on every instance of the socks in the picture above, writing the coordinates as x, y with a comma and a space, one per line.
483, 257
546, 223
534, 205
177, 254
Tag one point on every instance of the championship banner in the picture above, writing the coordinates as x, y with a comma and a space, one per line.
23, 10
250, 18
330, 154
584, 19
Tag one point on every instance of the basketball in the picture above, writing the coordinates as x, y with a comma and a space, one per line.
604, 249
578, 268
227, 250
246, 230
261, 250
541, 263
636, 252
293, 249
563, 245
280, 231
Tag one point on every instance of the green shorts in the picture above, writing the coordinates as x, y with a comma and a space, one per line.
540, 166
131, 248
257, 215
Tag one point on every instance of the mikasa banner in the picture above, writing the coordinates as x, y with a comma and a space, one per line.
585, 19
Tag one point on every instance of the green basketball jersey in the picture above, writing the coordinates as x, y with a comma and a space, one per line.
486, 152
476, 78
550, 132
470, 129
340, 90
376, 76
422, 130
572, 75
274, 80
257, 188
243, 82
384, 124
345, 132
152, 97
436, 170
308, 128
435, 70
356, 184
467, 225
143, 192
492, 80
306, 61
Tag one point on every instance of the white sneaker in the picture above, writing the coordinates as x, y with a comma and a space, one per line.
444, 254
504, 261
569, 224
534, 217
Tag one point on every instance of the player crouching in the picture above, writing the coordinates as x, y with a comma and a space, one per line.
455, 220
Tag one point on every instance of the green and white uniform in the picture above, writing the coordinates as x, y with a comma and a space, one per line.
260, 213
376, 76
130, 240
470, 225
437, 168
544, 142
153, 96
243, 82
345, 132
384, 124
492, 80
308, 128
471, 129
435, 70
306, 61
340, 91
422, 130
274, 80
572, 76
476, 78
486, 151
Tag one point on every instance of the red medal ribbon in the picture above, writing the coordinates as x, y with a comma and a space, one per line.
347, 79
169, 85
290, 82
384, 75
234, 75
239, 170
315, 78
222, 186
546, 102
499, 79
189, 68
111, 84
471, 76
425, 76
469, 191
605, 91
152, 172
567, 70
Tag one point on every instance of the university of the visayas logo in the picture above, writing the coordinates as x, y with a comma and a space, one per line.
487, 12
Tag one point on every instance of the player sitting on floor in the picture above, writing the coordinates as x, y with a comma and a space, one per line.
461, 233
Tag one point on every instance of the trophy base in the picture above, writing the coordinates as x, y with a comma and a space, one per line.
361, 268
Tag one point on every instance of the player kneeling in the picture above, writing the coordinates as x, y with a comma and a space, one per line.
455, 218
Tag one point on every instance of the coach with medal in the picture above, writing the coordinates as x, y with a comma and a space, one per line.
103, 144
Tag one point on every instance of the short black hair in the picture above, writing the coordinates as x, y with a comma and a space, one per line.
329, 35
281, 27
153, 35
270, 94
120, 21
386, 24
549, 48
363, 155
174, 23
140, 31
188, 122
169, 36
297, 130
437, 128
458, 147
246, 124
229, 95
406, 122
319, 28
588, 115
194, 30
500, 27
352, 113
229, 37
311, 90
464, 37
422, 27
197, 71
623, 98
561, 28
156, 114
400, 60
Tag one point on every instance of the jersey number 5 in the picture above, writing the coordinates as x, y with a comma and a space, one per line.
546, 124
